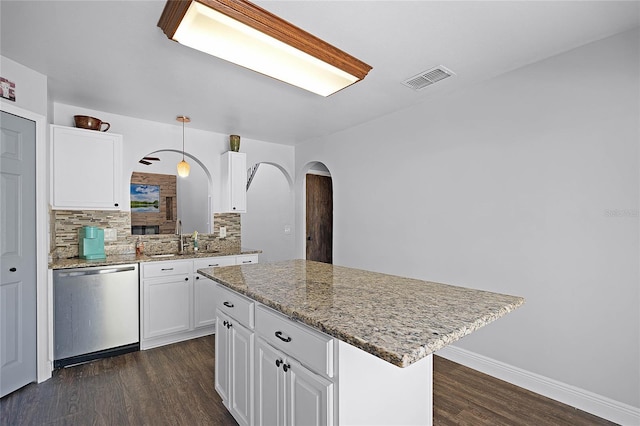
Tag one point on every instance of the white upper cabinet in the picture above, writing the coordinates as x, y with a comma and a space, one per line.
86, 169
234, 182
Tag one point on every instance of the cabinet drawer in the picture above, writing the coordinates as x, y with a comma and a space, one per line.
161, 269
310, 348
235, 305
211, 262
246, 259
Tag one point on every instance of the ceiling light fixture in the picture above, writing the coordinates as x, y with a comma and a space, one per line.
243, 33
183, 166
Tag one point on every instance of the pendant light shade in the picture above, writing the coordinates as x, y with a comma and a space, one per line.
243, 33
183, 166
183, 169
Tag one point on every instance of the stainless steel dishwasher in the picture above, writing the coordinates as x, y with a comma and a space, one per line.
95, 312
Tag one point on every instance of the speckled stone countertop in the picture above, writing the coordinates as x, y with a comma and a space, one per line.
399, 320
122, 259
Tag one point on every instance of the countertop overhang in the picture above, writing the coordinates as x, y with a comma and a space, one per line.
121, 259
400, 320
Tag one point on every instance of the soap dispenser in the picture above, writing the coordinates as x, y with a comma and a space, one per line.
139, 247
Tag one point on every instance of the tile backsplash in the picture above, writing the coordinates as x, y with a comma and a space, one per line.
66, 223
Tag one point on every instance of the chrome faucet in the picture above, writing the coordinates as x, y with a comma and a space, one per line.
180, 236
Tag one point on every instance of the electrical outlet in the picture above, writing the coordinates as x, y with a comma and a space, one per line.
110, 234
223, 231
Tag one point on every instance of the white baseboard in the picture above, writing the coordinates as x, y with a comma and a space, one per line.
579, 398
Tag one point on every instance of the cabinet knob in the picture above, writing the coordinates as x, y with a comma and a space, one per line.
286, 367
197, 277
224, 323
229, 325
234, 208
284, 339
228, 305
278, 362
116, 204
186, 279
12, 269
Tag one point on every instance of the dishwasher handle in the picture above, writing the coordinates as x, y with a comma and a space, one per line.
101, 271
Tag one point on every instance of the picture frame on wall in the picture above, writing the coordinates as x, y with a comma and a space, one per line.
7, 89
145, 198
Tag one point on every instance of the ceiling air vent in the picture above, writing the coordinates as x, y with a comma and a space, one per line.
427, 78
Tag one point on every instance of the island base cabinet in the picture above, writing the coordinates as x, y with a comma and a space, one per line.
287, 393
375, 392
234, 367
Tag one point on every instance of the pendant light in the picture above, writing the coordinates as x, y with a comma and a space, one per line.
183, 166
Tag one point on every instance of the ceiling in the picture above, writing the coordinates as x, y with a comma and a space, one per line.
111, 56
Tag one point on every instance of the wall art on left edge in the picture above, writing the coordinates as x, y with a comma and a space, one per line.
7, 89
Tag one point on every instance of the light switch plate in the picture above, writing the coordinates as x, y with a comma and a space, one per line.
223, 231
110, 234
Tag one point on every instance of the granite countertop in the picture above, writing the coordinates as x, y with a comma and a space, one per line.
122, 259
399, 320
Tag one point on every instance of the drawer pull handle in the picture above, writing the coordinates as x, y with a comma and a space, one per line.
215, 264
166, 269
279, 362
228, 305
284, 339
286, 367
246, 261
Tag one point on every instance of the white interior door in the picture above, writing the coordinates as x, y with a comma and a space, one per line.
17, 253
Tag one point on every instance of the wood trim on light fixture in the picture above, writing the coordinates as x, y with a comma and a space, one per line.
270, 24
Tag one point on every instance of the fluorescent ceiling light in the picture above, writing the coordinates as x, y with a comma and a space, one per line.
240, 32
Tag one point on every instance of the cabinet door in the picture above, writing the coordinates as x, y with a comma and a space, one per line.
241, 373
222, 362
269, 385
166, 305
310, 397
86, 169
234, 182
204, 291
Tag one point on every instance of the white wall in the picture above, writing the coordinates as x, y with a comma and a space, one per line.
527, 184
31, 86
270, 209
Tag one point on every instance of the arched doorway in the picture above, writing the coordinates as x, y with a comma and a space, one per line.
268, 223
319, 214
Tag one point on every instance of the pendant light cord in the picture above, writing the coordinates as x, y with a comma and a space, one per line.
183, 140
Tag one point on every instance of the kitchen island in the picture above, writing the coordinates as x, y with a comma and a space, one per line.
383, 330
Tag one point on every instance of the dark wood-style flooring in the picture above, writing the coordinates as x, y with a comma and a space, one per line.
173, 385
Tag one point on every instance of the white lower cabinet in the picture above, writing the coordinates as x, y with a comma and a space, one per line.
234, 367
166, 306
287, 393
289, 378
304, 377
177, 303
235, 353
204, 291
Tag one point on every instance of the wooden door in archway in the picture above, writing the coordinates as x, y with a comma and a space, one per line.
319, 207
